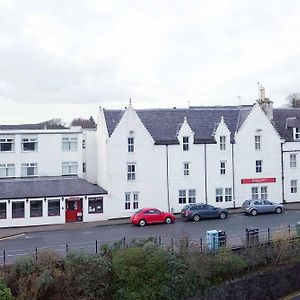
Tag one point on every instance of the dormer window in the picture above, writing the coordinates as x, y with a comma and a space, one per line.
130, 144
185, 143
222, 142
296, 133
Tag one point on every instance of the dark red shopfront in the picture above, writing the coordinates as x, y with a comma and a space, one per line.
74, 209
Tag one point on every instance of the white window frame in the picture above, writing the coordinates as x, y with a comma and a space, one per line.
293, 160
257, 142
32, 140
228, 194
296, 131
69, 168
222, 167
222, 142
182, 196
294, 186
258, 166
135, 202
192, 196
254, 193
9, 170
186, 168
10, 141
69, 143
185, 143
264, 193
131, 171
127, 201
26, 167
130, 144
219, 194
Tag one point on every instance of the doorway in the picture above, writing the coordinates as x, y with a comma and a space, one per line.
74, 209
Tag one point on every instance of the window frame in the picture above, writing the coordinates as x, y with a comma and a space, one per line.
39, 209
182, 196
67, 165
264, 193
13, 214
3, 212
294, 186
186, 168
222, 167
69, 142
29, 141
127, 200
10, 141
95, 208
257, 142
254, 193
293, 160
296, 132
192, 196
219, 195
28, 167
222, 142
51, 212
131, 171
258, 166
130, 144
228, 194
6, 167
185, 143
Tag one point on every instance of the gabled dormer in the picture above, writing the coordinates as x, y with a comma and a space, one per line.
222, 135
185, 135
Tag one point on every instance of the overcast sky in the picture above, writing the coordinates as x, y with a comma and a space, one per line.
65, 58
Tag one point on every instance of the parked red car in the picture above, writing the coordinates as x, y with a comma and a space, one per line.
146, 216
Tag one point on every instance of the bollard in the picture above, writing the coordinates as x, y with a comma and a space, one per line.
269, 235
67, 248
4, 258
96, 246
36, 254
201, 244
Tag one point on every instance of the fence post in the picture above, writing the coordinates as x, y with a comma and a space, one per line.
201, 245
172, 245
36, 254
289, 229
159, 240
96, 246
269, 236
67, 248
124, 243
4, 258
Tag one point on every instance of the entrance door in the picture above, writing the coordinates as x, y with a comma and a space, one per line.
73, 209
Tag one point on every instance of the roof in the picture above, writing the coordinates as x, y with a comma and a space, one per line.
163, 124
37, 126
41, 187
284, 119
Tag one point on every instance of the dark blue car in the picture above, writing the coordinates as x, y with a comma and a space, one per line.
200, 211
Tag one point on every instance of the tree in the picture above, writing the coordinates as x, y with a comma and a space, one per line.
294, 100
84, 123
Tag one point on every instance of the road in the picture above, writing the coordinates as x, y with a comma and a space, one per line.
235, 224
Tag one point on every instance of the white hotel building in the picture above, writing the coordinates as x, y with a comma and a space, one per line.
163, 158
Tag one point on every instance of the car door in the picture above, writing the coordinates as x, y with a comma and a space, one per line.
268, 206
154, 216
207, 211
258, 206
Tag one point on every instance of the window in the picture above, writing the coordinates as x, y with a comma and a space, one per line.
130, 143
96, 205
29, 169
83, 144
293, 160
219, 195
296, 133
131, 169
84, 167
2, 210
257, 142
222, 142
7, 145
254, 192
53, 207
186, 168
135, 200
29, 144
293, 186
18, 209
185, 143
264, 192
36, 208
69, 143
222, 167
69, 168
182, 196
127, 200
228, 194
258, 166
7, 170
192, 196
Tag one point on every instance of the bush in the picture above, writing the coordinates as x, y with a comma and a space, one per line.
5, 292
89, 274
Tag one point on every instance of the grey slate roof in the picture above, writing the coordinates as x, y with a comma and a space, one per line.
163, 124
284, 119
40, 187
37, 126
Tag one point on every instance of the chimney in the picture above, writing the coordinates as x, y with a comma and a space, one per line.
265, 104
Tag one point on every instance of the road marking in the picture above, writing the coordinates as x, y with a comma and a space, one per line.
12, 237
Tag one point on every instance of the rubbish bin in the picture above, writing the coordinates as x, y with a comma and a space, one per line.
298, 228
212, 240
79, 217
221, 238
252, 236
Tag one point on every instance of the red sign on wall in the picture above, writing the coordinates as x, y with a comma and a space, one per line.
257, 180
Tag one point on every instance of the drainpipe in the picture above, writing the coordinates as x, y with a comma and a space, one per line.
205, 174
282, 174
168, 185
233, 174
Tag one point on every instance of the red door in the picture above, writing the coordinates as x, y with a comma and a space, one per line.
73, 209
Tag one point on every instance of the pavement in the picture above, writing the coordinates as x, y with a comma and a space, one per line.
13, 231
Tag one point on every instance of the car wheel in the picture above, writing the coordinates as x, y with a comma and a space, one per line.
196, 218
278, 210
222, 215
168, 220
142, 223
253, 212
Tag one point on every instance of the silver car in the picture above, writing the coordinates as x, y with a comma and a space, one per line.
254, 207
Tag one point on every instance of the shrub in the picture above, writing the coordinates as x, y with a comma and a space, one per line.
5, 292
